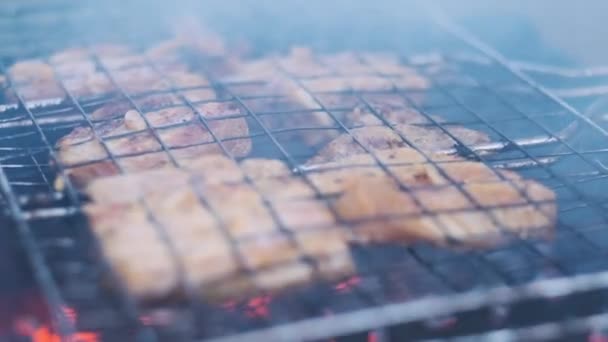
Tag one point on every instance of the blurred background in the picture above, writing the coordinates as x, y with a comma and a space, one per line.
519, 28
576, 28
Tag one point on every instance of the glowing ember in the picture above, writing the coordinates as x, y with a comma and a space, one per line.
347, 285
257, 307
146, 320
43, 333
597, 337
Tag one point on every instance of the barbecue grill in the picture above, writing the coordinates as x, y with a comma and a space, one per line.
528, 289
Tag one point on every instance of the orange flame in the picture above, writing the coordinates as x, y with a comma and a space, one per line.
44, 333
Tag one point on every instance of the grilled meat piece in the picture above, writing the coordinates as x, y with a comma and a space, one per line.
225, 231
160, 68
251, 254
135, 147
301, 79
147, 103
153, 274
375, 138
73, 68
455, 220
33, 80
337, 72
444, 201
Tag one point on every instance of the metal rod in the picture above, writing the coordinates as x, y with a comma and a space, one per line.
43, 121
560, 70
579, 92
42, 273
542, 332
415, 310
525, 163
50, 213
494, 147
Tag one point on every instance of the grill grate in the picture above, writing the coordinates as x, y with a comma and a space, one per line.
486, 93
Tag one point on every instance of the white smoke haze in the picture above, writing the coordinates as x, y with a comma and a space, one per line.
577, 30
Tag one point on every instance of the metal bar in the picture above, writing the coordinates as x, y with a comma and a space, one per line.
39, 168
500, 146
416, 310
42, 273
596, 71
524, 163
590, 91
72, 192
542, 332
43, 121
50, 213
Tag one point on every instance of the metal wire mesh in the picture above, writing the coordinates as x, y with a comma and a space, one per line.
483, 93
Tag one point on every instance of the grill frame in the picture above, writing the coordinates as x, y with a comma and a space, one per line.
338, 324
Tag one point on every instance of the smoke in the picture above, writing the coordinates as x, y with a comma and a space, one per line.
517, 29
277, 24
402, 26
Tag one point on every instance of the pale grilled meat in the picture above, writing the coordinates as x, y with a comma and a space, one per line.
375, 138
135, 148
270, 259
326, 84
187, 203
139, 78
312, 83
160, 68
503, 206
33, 80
